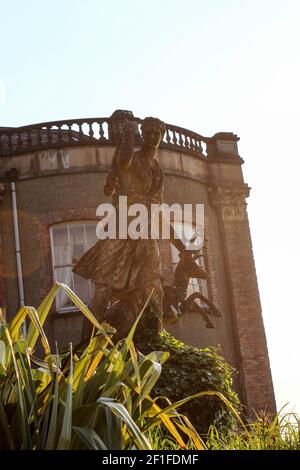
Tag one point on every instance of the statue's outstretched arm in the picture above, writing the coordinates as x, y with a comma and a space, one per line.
122, 156
125, 148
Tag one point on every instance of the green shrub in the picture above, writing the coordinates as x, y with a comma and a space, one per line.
190, 370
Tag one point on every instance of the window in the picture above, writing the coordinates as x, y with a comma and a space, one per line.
195, 285
68, 242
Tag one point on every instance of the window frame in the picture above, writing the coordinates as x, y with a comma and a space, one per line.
55, 266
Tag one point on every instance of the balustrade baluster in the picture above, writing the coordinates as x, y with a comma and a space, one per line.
186, 142
11, 141
46, 135
27, 139
200, 148
91, 131
58, 133
101, 132
174, 140
16, 142
5, 142
80, 132
52, 133
168, 138
30, 140
69, 132
39, 137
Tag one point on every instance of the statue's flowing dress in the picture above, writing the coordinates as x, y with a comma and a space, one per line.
126, 265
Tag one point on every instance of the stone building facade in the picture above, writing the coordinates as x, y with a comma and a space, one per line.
55, 173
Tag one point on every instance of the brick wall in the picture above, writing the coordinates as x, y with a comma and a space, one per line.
250, 328
254, 367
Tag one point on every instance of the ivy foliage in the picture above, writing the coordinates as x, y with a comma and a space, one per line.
190, 370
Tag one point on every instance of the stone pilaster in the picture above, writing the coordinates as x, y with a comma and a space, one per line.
2, 280
255, 374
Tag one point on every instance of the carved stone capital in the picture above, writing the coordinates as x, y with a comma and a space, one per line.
230, 201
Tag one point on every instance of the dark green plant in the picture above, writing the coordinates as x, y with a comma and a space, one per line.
190, 370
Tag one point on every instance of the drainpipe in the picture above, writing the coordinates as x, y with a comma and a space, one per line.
18, 250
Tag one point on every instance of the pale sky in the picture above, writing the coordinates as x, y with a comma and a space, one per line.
206, 65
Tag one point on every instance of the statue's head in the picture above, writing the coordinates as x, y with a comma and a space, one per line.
153, 131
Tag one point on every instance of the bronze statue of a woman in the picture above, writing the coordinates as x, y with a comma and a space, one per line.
128, 270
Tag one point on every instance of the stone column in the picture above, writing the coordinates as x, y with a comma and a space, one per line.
228, 194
